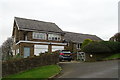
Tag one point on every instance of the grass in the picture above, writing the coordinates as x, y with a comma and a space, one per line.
39, 72
114, 56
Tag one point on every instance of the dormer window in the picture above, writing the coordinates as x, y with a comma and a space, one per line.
37, 35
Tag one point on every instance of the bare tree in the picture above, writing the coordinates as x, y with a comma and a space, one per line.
7, 49
116, 37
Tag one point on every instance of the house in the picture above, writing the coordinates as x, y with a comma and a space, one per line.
32, 37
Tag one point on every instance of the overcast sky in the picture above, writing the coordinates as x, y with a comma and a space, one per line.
97, 17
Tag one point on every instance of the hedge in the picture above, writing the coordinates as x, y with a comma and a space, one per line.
114, 46
19, 65
102, 47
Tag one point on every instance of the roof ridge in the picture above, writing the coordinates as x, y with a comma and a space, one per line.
33, 20
78, 33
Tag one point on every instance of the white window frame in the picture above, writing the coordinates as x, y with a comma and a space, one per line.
54, 37
14, 40
37, 35
13, 52
26, 37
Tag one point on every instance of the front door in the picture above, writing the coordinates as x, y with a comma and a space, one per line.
26, 52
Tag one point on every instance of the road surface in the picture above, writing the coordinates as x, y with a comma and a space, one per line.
103, 69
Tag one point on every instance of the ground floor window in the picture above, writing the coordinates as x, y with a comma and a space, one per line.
38, 49
13, 51
17, 51
79, 45
55, 48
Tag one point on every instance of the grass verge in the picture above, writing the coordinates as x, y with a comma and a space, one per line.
39, 72
114, 56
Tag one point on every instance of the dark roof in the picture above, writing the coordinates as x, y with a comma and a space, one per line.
78, 37
37, 25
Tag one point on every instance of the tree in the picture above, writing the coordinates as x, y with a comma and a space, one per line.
7, 49
116, 37
85, 42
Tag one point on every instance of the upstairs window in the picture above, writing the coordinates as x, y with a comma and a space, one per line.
54, 37
14, 40
37, 35
25, 36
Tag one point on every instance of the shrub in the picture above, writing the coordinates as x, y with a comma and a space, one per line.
85, 42
102, 47
96, 47
114, 46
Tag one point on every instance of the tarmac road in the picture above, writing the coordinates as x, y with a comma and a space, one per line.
103, 69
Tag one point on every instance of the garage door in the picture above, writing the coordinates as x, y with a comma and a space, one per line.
55, 48
40, 49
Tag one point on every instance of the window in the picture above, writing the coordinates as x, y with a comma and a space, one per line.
17, 51
37, 35
26, 37
13, 52
14, 39
78, 45
54, 37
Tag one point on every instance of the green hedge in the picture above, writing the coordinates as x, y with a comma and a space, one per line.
19, 65
102, 47
114, 46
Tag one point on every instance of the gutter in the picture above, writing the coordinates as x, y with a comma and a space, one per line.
21, 41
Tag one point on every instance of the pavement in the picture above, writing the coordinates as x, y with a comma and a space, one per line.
102, 69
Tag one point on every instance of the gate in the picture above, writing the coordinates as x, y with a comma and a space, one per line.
81, 56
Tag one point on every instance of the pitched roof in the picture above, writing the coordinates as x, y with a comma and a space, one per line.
78, 37
36, 25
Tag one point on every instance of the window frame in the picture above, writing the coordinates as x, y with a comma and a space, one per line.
78, 45
38, 35
17, 51
54, 37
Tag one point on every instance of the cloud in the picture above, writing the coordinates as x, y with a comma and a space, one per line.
98, 17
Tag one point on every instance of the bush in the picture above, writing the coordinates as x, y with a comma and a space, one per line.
102, 47
85, 42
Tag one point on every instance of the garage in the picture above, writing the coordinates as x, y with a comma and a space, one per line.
40, 49
55, 48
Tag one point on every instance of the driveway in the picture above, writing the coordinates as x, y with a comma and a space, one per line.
103, 69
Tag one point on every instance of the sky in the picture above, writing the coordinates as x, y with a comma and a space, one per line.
97, 17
